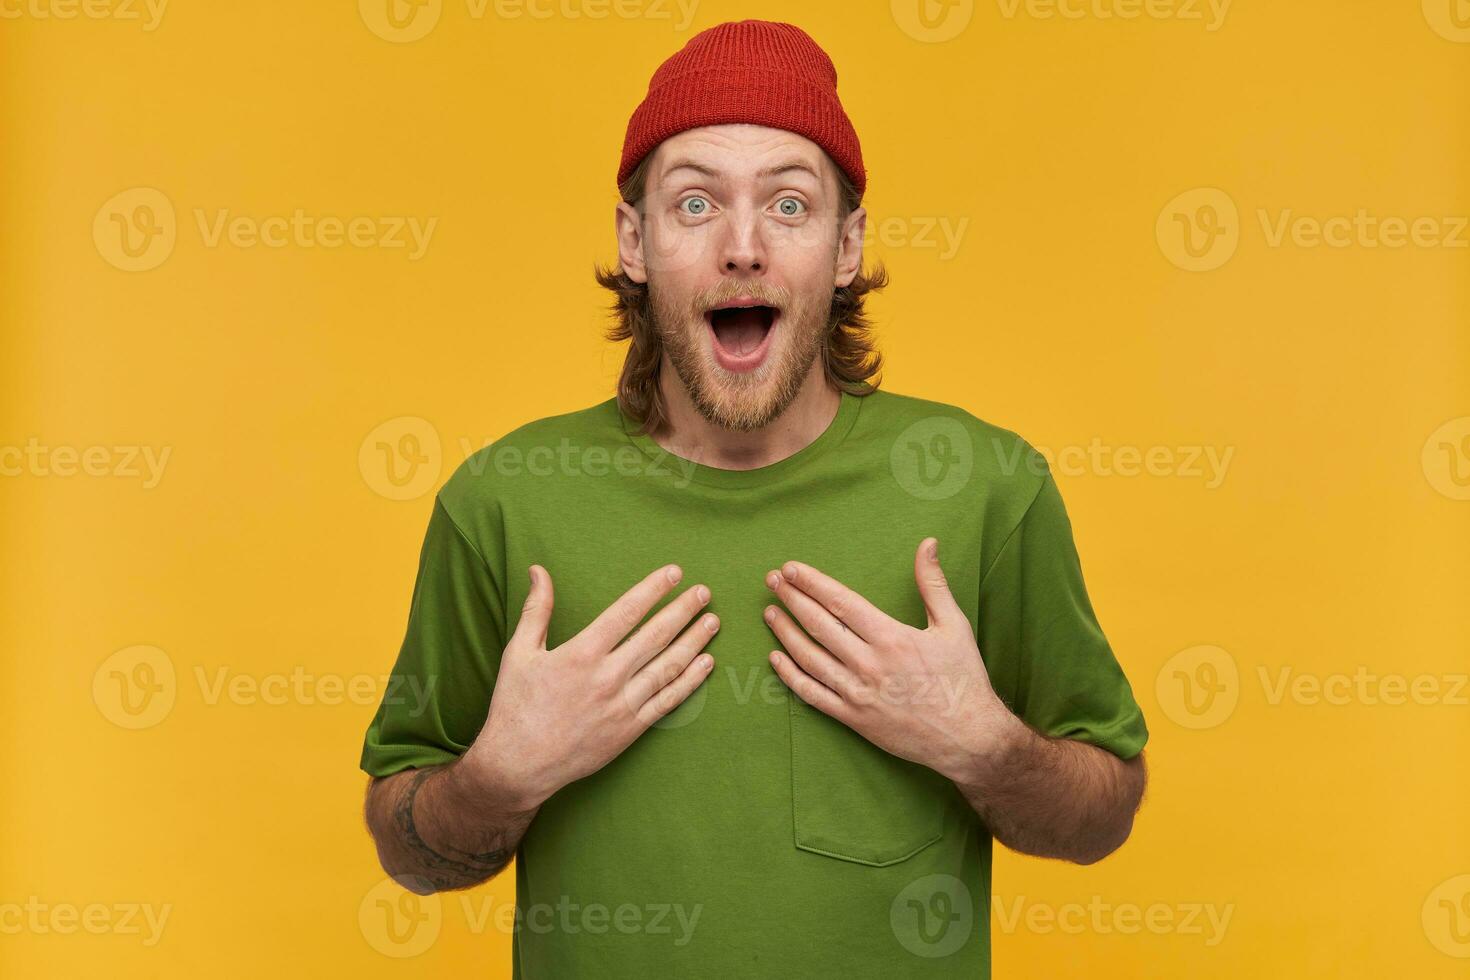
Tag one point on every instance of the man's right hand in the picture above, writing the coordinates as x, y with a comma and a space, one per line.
559, 715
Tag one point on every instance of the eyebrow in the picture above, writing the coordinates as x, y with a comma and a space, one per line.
767, 172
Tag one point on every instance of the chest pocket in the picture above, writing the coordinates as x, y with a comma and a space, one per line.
854, 801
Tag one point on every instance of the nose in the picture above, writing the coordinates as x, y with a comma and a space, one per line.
742, 250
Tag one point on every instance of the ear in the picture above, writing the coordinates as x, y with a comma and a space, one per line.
850, 247
628, 226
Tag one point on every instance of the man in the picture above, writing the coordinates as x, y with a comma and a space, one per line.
697, 665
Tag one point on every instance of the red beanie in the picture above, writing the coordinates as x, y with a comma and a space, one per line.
749, 71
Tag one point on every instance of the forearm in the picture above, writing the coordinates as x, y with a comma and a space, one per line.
437, 829
1052, 797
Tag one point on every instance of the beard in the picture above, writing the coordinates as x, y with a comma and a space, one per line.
742, 401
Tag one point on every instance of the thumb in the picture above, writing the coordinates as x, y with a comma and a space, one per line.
536, 613
939, 602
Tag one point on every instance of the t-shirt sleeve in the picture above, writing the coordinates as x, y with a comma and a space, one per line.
438, 693
1047, 656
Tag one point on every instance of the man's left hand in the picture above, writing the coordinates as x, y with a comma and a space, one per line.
920, 694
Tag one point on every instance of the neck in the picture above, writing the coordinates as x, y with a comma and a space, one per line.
689, 435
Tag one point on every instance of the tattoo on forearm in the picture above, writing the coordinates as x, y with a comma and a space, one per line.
444, 870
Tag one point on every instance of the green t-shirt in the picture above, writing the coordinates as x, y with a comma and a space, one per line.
747, 834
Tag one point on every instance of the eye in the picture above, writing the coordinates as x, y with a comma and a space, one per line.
790, 206
696, 205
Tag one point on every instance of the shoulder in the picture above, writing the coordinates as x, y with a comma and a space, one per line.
482, 482
999, 466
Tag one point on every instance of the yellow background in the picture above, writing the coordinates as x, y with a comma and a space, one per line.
1334, 834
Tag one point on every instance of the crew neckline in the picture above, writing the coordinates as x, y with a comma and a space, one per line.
715, 476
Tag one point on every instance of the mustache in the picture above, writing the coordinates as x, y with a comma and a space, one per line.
730, 289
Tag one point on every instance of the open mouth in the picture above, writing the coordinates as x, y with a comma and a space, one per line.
741, 331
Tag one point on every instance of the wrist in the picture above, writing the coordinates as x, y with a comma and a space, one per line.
488, 785
993, 747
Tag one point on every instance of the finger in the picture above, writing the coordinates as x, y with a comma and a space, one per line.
628, 610
536, 612
806, 687
939, 601
843, 603
808, 656
675, 694
831, 632
663, 669
648, 639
